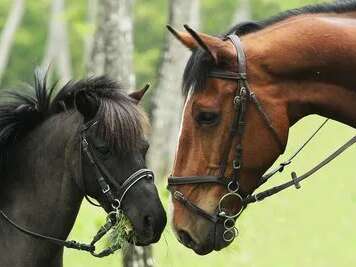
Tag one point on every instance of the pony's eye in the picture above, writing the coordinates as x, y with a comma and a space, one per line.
145, 148
104, 150
207, 118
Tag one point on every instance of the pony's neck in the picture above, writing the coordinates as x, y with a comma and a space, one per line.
39, 192
308, 63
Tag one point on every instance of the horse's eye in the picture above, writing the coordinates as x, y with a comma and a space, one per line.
207, 118
104, 150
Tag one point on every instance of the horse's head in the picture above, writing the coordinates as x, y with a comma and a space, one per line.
209, 150
113, 150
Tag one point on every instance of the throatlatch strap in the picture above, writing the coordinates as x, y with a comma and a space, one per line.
285, 163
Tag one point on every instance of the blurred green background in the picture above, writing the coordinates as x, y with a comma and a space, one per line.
314, 226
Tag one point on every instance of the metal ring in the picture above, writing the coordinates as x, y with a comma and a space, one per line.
226, 215
229, 221
229, 232
116, 204
231, 189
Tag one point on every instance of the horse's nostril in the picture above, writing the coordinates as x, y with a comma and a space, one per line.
185, 238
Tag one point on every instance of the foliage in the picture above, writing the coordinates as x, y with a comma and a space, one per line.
121, 231
149, 25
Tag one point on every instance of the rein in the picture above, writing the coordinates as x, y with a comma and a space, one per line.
103, 177
243, 96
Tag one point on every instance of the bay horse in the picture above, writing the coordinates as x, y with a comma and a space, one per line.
244, 90
87, 140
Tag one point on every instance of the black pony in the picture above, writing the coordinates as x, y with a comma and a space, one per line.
44, 173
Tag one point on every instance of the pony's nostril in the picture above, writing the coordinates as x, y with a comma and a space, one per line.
148, 221
185, 238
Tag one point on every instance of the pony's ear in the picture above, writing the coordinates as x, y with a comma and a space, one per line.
215, 47
86, 104
137, 95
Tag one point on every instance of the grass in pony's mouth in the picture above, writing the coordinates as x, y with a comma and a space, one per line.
122, 233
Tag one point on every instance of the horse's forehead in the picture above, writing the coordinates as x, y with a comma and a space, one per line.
214, 94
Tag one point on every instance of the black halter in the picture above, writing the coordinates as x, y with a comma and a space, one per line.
244, 95
114, 198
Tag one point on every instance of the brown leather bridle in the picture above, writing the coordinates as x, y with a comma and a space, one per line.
243, 96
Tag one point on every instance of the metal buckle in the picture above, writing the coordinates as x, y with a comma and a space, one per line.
106, 189
85, 142
178, 195
237, 100
236, 164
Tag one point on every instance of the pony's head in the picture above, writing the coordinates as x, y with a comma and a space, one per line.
206, 146
114, 129
98, 131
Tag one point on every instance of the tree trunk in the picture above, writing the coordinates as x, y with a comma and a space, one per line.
112, 52
57, 52
89, 38
242, 13
8, 33
168, 101
112, 55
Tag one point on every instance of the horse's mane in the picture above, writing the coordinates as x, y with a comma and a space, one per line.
199, 64
119, 120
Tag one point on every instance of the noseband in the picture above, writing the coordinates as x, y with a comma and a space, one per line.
243, 96
113, 197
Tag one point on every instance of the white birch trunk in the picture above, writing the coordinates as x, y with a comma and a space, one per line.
168, 100
112, 52
8, 33
242, 13
57, 54
112, 55
96, 60
89, 38
119, 42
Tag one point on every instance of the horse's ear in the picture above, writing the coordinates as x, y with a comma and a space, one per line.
137, 95
215, 47
86, 104
184, 37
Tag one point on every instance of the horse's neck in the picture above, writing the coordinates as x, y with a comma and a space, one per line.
39, 191
309, 63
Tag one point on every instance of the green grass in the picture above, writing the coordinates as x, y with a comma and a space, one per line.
313, 226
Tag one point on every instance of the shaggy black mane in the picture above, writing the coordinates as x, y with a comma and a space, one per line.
199, 64
119, 120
